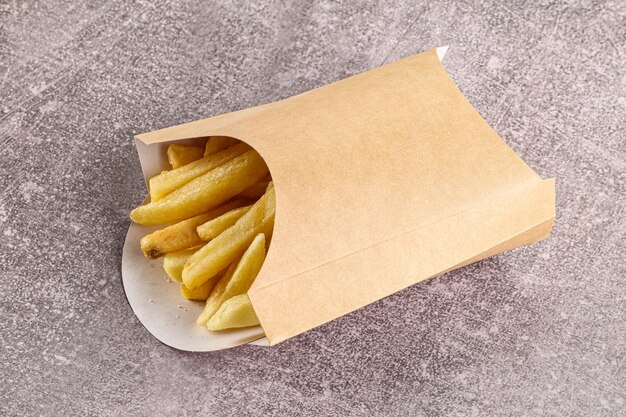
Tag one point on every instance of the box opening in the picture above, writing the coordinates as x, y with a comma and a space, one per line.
154, 298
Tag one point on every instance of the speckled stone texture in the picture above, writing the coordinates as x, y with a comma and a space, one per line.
538, 331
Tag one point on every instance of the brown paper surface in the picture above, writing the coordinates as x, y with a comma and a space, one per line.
382, 180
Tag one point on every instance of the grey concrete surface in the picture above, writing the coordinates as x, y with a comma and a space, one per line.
538, 331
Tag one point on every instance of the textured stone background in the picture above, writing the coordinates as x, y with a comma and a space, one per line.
536, 331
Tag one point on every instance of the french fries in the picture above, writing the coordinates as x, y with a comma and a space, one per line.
205, 192
168, 181
235, 312
218, 211
174, 262
221, 251
198, 294
256, 191
182, 235
178, 155
218, 143
214, 227
237, 280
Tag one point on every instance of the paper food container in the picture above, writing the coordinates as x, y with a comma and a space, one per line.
382, 180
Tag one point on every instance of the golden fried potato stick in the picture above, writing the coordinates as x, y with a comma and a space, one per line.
169, 181
174, 262
214, 227
236, 280
205, 192
256, 191
199, 294
178, 155
232, 242
217, 144
235, 312
182, 235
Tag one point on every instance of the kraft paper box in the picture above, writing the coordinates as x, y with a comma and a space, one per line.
382, 180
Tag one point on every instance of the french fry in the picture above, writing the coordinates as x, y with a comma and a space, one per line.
178, 155
182, 235
234, 313
221, 251
169, 181
236, 280
205, 192
199, 294
217, 144
256, 191
214, 227
174, 262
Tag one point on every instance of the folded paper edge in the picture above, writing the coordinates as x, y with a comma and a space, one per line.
532, 235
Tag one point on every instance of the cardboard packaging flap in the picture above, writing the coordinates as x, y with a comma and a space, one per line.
382, 180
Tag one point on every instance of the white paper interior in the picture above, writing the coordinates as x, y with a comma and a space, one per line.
157, 301
159, 306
